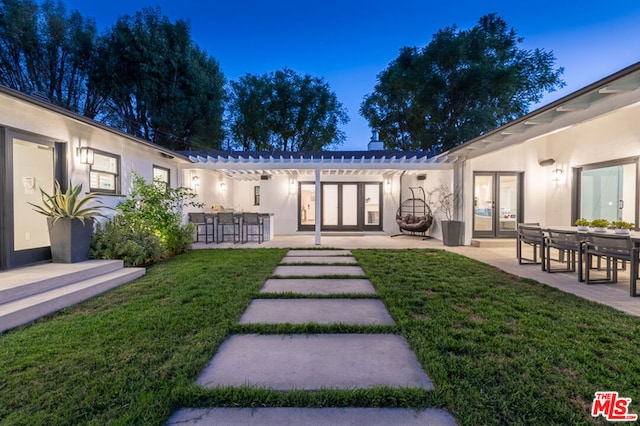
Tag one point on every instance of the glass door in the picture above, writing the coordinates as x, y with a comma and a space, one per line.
496, 204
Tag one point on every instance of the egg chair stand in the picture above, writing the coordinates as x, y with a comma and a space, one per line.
414, 216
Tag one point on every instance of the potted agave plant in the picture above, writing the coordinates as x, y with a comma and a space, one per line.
622, 227
70, 219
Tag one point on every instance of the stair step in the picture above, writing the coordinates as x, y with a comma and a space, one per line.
30, 308
20, 283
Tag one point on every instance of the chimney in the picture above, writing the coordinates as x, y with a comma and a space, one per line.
374, 143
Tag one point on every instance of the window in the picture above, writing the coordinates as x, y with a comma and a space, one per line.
105, 173
256, 195
161, 174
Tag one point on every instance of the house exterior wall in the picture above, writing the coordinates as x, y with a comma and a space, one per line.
613, 136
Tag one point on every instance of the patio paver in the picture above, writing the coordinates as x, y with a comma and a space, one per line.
312, 362
319, 259
317, 271
319, 253
312, 417
320, 311
320, 286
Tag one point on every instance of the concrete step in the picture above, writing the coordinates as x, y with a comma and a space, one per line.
319, 311
493, 242
317, 286
312, 417
30, 308
317, 271
24, 282
319, 260
314, 362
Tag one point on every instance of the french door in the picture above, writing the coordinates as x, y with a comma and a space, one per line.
345, 206
497, 204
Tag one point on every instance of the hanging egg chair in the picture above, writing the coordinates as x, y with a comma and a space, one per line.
414, 215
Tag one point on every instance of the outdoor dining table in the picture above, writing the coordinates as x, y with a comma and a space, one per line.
633, 235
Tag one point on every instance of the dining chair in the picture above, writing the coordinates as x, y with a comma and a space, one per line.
568, 243
532, 236
612, 247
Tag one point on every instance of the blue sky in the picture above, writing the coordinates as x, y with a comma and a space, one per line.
348, 43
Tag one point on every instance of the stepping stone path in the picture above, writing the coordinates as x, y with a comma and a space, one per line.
315, 361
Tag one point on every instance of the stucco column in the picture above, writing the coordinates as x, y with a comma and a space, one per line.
318, 207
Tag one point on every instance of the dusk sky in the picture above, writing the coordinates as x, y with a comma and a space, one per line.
348, 43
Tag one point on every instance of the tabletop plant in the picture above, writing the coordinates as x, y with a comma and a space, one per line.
582, 222
621, 224
600, 223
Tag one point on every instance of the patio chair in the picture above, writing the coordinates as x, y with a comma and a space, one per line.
202, 226
532, 236
613, 248
226, 220
566, 242
252, 221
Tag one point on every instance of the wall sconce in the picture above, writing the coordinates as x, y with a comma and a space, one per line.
293, 186
86, 155
223, 187
557, 175
387, 186
195, 180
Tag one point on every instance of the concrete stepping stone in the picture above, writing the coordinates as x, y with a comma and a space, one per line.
320, 311
316, 361
318, 286
319, 259
317, 271
312, 417
319, 253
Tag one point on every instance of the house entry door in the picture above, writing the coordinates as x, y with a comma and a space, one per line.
496, 204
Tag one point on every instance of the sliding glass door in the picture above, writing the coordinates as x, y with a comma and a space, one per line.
608, 191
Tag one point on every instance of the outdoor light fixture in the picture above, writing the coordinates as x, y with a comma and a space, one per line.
196, 180
557, 175
223, 187
292, 186
547, 162
387, 186
86, 155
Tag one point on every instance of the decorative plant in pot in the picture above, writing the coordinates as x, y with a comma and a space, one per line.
599, 225
448, 200
70, 219
622, 227
582, 224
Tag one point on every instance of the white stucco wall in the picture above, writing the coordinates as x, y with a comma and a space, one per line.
613, 136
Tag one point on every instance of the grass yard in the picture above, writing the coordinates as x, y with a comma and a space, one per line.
500, 350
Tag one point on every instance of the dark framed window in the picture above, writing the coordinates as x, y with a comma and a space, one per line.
256, 195
104, 175
162, 174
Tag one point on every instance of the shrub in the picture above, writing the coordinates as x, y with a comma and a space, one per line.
130, 241
148, 225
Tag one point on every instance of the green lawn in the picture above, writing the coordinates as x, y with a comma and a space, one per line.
500, 350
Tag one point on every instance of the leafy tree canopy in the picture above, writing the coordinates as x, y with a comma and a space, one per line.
159, 85
45, 50
284, 111
461, 85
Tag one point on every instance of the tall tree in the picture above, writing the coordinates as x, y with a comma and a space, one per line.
159, 85
461, 85
43, 49
285, 111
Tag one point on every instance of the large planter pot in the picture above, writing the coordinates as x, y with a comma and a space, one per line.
70, 239
451, 232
